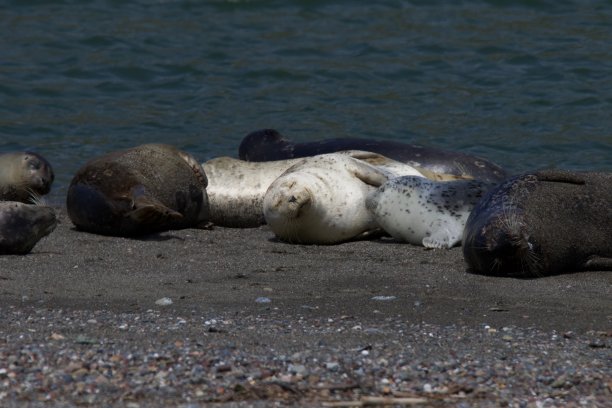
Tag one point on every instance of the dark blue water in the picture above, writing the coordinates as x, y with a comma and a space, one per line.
527, 84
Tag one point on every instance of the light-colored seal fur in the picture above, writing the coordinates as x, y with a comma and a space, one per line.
23, 225
425, 212
236, 188
269, 144
321, 200
24, 176
542, 223
148, 188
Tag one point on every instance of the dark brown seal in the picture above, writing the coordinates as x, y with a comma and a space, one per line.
23, 225
542, 223
269, 144
24, 176
148, 188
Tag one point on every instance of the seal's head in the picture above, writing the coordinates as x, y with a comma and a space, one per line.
37, 173
264, 145
23, 225
291, 209
499, 245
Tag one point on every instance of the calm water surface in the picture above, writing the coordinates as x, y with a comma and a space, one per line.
527, 84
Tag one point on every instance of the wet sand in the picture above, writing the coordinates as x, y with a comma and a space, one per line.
268, 321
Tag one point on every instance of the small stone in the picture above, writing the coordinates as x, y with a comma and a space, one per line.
263, 299
297, 369
384, 298
165, 301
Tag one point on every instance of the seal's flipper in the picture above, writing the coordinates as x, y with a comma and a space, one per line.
374, 159
442, 237
560, 176
598, 263
148, 210
369, 174
432, 175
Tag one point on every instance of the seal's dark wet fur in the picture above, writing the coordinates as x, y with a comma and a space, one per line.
145, 189
269, 144
542, 223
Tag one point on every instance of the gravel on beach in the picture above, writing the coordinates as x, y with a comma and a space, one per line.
230, 317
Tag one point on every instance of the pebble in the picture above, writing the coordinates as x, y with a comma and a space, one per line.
384, 298
165, 301
161, 360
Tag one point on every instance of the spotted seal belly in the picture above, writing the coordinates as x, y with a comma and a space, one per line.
425, 212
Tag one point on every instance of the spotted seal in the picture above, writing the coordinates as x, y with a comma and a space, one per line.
269, 144
148, 188
321, 200
23, 225
24, 176
236, 188
542, 223
425, 212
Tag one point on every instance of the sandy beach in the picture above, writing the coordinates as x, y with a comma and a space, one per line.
236, 318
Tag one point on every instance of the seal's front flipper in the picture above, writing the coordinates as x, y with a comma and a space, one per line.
443, 238
148, 210
560, 176
369, 174
432, 175
598, 263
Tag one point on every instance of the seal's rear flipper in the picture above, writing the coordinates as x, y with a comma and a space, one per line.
560, 176
148, 210
598, 263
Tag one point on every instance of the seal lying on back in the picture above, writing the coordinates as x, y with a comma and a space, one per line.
236, 188
148, 188
425, 212
24, 176
23, 225
268, 144
542, 223
321, 199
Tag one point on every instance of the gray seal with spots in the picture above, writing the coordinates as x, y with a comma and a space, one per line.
23, 225
321, 200
542, 223
236, 188
425, 212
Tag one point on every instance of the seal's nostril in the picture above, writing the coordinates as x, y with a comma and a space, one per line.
292, 199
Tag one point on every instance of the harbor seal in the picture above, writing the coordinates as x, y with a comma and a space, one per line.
542, 223
236, 188
23, 225
321, 200
145, 189
24, 176
269, 144
425, 212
